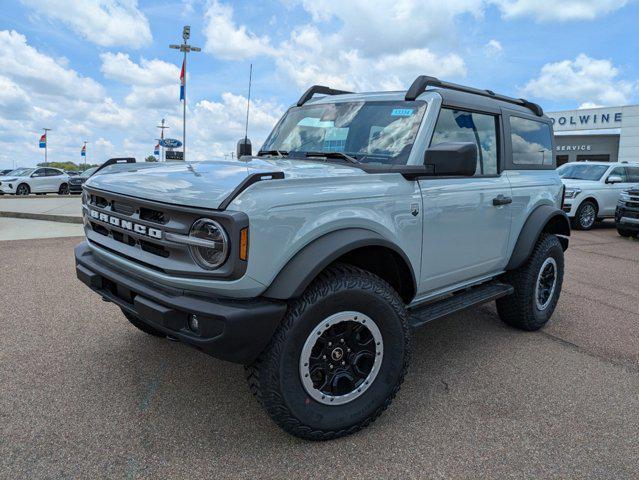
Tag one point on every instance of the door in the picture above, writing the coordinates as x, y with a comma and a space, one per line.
54, 179
466, 220
38, 180
613, 190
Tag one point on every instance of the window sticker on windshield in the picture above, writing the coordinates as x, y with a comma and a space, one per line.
402, 112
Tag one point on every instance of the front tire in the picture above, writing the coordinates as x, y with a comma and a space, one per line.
23, 189
625, 233
537, 286
338, 358
586, 216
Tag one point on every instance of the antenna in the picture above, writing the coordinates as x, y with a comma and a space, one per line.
248, 103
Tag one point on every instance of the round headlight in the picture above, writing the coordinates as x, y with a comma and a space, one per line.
210, 245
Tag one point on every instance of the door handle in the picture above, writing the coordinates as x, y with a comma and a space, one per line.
501, 200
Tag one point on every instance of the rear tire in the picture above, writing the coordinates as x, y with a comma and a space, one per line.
140, 325
537, 286
586, 216
338, 358
64, 189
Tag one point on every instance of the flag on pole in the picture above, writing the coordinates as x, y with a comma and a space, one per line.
43, 141
83, 152
182, 80
156, 150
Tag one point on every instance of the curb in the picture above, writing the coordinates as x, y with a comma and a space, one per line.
42, 216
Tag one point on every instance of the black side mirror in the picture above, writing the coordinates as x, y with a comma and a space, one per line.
244, 148
455, 159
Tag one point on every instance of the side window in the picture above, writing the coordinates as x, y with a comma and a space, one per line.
633, 174
40, 172
531, 141
462, 126
619, 172
52, 172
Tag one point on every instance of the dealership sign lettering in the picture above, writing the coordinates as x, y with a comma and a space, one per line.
573, 148
586, 120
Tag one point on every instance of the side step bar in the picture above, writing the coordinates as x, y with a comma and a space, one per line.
457, 302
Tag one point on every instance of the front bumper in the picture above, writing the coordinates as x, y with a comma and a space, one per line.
627, 218
567, 207
233, 330
75, 188
9, 188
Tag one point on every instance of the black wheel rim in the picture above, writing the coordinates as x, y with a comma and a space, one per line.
341, 358
546, 283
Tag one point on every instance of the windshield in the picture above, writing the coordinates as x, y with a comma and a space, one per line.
582, 172
372, 132
21, 172
87, 173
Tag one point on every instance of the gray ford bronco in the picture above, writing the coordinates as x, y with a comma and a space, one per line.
363, 216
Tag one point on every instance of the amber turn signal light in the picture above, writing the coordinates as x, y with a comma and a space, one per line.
244, 244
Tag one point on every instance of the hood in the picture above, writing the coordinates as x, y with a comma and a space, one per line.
204, 184
571, 182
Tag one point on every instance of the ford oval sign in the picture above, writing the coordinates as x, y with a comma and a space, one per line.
170, 143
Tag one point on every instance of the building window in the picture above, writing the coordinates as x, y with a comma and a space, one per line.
531, 141
561, 159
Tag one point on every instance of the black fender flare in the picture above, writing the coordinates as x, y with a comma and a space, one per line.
543, 218
314, 257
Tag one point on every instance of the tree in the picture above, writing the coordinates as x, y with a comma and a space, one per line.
151, 158
68, 165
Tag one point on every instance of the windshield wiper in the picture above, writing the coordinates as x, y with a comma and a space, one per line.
333, 155
279, 153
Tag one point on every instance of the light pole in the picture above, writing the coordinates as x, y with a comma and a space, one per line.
186, 48
162, 127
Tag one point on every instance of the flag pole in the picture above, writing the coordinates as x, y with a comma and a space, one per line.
46, 144
185, 48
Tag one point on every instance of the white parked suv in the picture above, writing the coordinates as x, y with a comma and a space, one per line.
593, 189
24, 181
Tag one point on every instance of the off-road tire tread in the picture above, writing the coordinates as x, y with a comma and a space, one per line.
514, 309
335, 278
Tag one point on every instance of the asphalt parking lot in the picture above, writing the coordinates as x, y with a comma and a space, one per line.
85, 395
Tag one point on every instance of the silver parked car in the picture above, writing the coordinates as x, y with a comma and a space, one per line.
363, 216
24, 181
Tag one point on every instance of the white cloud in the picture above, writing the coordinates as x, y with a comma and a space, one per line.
227, 41
563, 10
493, 48
391, 26
587, 105
36, 72
121, 68
107, 23
221, 124
584, 79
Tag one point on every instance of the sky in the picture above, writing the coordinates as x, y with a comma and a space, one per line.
101, 71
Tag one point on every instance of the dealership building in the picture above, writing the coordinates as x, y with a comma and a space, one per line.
607, 134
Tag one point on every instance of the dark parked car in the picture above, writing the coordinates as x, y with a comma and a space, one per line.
627, 213
75, 183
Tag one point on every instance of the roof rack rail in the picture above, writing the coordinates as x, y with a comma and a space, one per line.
308, 94
113, 161
423, 81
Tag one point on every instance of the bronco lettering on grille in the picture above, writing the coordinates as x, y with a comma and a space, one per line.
126, 225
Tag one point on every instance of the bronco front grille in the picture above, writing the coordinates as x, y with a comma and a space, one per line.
123, 208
